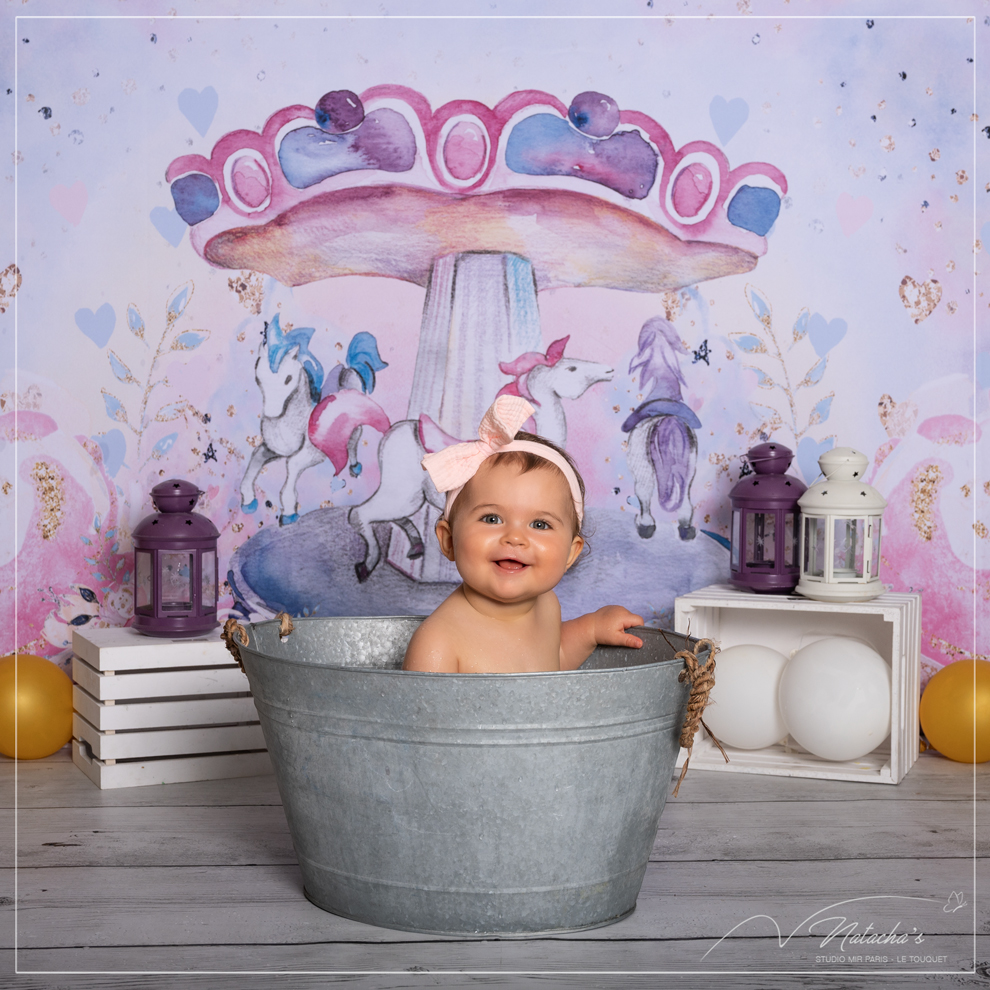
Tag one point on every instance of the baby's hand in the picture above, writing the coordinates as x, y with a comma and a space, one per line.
611, 623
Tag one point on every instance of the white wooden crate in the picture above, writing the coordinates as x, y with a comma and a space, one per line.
890, 624
133, 773
151, 711
118, 716
114, 685
200, 739
124, 648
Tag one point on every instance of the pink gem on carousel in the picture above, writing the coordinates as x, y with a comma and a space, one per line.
465, 150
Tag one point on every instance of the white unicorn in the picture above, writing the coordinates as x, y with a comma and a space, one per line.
662, 450
544, 379
303, 426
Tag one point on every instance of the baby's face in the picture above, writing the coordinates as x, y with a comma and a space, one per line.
513, 535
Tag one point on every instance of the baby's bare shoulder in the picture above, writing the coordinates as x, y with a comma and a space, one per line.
431, 647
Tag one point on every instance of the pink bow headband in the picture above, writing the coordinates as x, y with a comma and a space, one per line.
453, 467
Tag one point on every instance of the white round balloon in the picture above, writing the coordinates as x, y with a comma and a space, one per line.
835, 698
743, 710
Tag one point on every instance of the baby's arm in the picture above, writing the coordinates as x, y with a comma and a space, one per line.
430, 649
606, 627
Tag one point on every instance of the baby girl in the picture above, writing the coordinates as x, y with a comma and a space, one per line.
512, 527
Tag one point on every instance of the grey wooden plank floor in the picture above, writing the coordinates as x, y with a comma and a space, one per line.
196, 885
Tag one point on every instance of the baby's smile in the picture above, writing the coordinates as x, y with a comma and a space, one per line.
511, 564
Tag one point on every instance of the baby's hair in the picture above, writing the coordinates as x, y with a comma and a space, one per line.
527, 461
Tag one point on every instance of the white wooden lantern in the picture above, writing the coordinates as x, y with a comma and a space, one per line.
840, 531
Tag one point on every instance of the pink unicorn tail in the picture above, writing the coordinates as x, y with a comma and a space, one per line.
432, 436
337, 416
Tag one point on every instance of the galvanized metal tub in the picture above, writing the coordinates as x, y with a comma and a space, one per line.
468, 804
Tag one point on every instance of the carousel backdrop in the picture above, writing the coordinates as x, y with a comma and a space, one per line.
283, 255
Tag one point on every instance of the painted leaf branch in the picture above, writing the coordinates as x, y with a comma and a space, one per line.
172, 340
777, 364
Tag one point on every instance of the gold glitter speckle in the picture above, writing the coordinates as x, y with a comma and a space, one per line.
961, 177
981, 531
924, 492
51, 497
250, 290
965, 491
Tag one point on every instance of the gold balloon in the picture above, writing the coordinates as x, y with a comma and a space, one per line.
955, 711
43, 705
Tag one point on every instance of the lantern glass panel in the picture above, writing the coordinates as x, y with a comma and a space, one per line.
177, 574
736, 529
875, 533
790, 541
814, 547
142, 579
847, 558
209, 596
760, 548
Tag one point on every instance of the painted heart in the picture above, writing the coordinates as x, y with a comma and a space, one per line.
897, 417
921, 299
169, 224
824, 336
70, 201
853, 213
808, 453
99, 325
199, 108
728, 116
114, 448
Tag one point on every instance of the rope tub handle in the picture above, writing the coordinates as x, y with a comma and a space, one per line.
234, 633
702, 677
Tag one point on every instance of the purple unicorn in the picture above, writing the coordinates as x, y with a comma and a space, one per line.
662, 450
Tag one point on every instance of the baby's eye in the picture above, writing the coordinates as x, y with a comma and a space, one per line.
491, 518
540, 524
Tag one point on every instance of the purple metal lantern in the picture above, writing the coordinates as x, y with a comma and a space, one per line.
175, 565
765, 527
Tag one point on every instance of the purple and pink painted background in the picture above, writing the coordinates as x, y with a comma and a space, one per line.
283, 255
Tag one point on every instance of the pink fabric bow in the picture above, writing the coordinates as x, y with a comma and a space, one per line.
453, 467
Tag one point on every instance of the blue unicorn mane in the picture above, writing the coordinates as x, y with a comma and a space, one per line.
280, 343
363, 357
